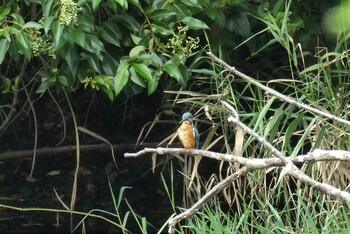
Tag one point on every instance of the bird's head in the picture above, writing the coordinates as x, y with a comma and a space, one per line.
187, 117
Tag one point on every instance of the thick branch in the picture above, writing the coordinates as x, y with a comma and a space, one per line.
253, 163
68, 149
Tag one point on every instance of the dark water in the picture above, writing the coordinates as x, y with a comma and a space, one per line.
147, 196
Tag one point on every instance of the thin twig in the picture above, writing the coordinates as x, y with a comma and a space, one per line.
215, 190
62, 116
31, 105
277, 94
8, 118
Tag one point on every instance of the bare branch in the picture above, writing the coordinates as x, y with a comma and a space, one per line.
215, 190
253, 163
277, 94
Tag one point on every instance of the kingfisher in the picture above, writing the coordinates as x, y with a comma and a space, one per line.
187, 133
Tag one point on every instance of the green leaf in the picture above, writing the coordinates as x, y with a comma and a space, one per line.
135, 3
161, 29
18, 19
162, 14
192, 3
57, 32
5, 32
144, 71
70, 57
156, 60
152, 86
134, 52
24, 44
123, 3
173, 71
212, 13
193, 23
181, 10
98, 79
128, 21
32, 24
43, 86
63, 80
93, 45
4, 11
6, 84
111, 33
95, 4
109, 92
77, 36
94, 63
109, 65
136, 39
121, 77
48, 23
136, 79
47, 8
4, 46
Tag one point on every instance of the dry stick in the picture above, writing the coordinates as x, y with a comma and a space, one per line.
35, 129
62, 116
215, 190
75, 181
277, 94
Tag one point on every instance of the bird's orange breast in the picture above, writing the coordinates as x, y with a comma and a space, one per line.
186, 135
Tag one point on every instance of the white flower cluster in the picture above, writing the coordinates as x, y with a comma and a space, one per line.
181, 41
68, 11
39, 45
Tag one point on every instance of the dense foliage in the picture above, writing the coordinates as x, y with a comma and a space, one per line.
107, 45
